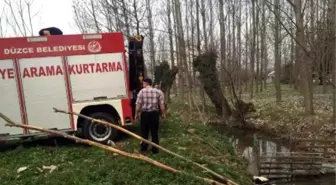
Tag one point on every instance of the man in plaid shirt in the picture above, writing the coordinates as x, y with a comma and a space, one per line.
149, 103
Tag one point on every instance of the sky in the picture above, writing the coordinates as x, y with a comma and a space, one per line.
56, 13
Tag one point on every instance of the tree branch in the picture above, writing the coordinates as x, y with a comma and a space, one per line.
137, 156
289, 33
224, 179
291, 3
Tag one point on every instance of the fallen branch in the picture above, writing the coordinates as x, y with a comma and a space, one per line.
224, 179
10, 123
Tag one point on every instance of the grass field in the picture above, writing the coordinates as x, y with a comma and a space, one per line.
83, 165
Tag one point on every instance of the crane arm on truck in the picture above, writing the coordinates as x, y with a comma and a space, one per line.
136, 67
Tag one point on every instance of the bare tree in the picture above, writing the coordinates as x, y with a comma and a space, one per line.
151, 34
19, 16
277, 50
252, 37
303, 58
211, 24
306, 68
110, 15
222, 39
183, 67
252, 73
2, 22
202, 93
331, 18
263, 52
204, 25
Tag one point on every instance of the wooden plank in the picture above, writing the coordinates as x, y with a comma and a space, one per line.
286, 172
299, 161
294, 160
290, 153
291, 157
274, 177
285, 154
305, 168
327, 153
313, 140
290, 168
330, 160
291, 173
276, 162
313, 146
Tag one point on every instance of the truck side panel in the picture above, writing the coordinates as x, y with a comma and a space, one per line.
44, 87
97, 75
9, 97
69, 72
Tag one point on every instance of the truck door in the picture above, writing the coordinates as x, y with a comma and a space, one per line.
44, 87
9, 98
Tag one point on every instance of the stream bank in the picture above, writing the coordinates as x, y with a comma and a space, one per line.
287, 118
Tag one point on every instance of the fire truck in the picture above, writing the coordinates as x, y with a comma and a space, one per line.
89, 74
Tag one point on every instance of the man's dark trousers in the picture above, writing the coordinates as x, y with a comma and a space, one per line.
150, 122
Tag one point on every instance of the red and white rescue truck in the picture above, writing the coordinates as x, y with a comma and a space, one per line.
84, 73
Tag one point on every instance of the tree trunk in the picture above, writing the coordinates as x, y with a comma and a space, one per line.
332, 17
98, 30
206, 48
198, 31
188, 64
211, 34
222, 43
206, 66
151, 35
192, 43
204, 26
179, 51
252, 74
247, 51
182, 49
292, 69
135, 13
263, 47
326, 57
171, 45
257, 48
239, 49
305, 68
126, 17
277, 56
234, 69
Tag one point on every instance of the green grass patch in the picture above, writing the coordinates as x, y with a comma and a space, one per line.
83, 165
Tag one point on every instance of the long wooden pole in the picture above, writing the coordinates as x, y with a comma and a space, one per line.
10, 123
222, 178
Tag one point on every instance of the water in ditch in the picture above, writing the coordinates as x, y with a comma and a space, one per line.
243, 142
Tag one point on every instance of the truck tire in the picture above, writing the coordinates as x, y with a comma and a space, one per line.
98, 132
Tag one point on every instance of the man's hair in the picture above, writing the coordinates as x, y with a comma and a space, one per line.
148, 80
52, 30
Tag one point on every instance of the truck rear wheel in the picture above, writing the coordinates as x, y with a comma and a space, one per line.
98, 132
